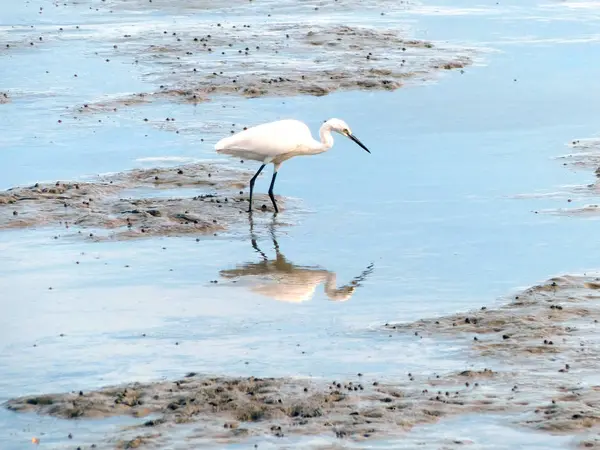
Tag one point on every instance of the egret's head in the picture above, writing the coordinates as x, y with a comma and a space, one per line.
339, 126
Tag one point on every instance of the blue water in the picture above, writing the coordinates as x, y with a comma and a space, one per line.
434, 208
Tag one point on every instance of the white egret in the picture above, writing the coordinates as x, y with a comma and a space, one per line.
276, 142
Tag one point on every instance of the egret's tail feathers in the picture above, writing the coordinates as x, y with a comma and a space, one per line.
221, 145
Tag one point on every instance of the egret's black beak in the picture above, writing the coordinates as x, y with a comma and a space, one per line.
355, 139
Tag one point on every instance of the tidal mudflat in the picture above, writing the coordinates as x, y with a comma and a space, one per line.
128, 323
98, 205
542, 346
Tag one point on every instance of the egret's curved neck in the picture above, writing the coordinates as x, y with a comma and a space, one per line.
326, 137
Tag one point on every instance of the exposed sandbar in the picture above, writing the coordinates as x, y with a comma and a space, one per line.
214, 204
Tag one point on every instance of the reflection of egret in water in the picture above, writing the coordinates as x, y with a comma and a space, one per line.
287, 282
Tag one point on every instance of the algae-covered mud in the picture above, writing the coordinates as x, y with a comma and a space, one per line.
113, 204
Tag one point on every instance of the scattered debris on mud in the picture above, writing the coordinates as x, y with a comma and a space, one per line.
234, 409
545, 342
197, 58
192, 65
542, 354
215, 202
584, 155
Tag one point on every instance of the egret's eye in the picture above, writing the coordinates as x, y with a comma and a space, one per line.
346, 131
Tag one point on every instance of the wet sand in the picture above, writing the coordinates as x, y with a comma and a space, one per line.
544, 343
282, 60
542, 356
195, 60
234, 409
87, 207
585, 157
535, 356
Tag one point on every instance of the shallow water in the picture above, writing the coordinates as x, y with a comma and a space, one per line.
437, 208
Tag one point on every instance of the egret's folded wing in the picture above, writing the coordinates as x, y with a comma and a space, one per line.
267, 140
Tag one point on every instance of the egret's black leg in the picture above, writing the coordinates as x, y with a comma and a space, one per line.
252, 185
271, 191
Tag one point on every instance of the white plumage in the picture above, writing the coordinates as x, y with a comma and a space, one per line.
276, 142
269, 141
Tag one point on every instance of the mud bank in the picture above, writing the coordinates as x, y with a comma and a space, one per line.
543, 345
192, 59
234, 409
215, 202
533, 362
275, 56
584, 156
193, 65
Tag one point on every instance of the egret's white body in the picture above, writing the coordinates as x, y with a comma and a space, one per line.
276, 142
273, 142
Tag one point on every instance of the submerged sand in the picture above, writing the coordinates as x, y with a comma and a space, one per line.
540, 350
101, 209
